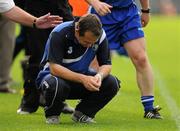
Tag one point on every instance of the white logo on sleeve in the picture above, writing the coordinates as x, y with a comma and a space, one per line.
70, 50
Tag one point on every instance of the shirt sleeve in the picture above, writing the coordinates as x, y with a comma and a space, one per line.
6, 5
56, 48
103, 53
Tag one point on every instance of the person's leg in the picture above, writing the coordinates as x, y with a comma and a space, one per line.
36, 40
35, 45
30, 99
133, 41
55, 91
92, 102
7, 38
137, 52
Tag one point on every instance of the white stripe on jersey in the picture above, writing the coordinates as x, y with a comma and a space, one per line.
102, 37
66, 61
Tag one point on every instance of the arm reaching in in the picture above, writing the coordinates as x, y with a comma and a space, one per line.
48, 21
18, 15
101, 8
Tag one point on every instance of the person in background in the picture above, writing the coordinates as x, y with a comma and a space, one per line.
167, 7
7, 38
12, 12
16, 14
36, 40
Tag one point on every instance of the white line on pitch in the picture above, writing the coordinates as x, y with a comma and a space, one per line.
175, 111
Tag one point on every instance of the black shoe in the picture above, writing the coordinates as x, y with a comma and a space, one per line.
78, 116
21, 111
24, 110
153, 114
52, 120
29, 104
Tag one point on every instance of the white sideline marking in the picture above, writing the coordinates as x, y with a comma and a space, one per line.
175, 111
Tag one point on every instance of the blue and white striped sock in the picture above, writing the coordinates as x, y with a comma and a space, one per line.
147, 102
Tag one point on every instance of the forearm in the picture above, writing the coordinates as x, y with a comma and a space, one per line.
18, 15
90, 1
104, 70
145, 4
65, 73
102, 8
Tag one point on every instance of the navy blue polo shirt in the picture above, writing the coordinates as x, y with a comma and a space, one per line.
63, 48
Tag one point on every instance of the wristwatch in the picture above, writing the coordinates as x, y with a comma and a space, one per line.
145, 10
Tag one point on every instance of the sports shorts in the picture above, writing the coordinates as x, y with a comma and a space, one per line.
121, 26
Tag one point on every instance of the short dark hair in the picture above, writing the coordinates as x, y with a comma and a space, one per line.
89, 22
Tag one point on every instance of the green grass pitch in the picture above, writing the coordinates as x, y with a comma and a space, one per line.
124, 112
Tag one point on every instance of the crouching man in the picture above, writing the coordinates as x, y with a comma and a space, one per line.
66, 74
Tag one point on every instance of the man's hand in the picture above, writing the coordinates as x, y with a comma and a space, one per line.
145, 18
48, 21
101, 8
92, 83
98, 79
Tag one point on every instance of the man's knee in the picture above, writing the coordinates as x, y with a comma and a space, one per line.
112, 84
49, 84
53, 86
140, 59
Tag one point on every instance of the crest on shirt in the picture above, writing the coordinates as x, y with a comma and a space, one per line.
95, 47
70, 50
